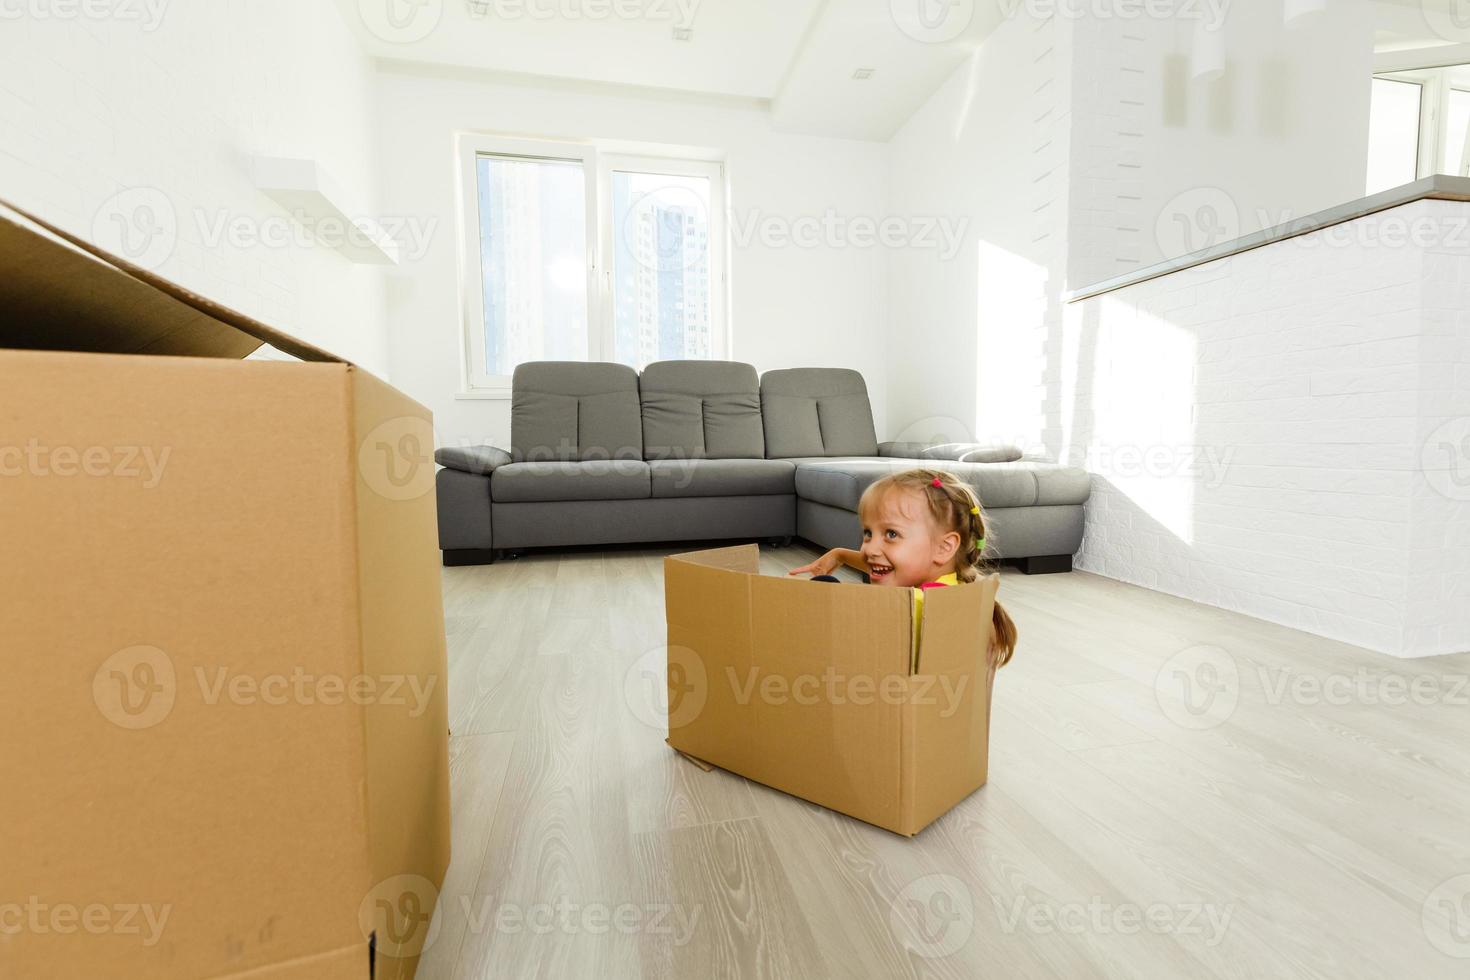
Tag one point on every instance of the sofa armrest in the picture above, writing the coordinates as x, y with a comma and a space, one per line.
481, 460
957, 452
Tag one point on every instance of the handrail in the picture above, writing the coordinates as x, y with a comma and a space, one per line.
1438, 187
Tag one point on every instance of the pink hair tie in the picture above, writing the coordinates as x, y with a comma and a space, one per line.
936, 482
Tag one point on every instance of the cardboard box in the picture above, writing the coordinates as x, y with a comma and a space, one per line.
807, 686
223, 711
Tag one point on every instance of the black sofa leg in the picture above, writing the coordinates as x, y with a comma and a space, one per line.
455, 557
1044, 564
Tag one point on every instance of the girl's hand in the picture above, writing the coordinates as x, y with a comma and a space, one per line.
822, 566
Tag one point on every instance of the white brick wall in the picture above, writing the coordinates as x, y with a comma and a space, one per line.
94, 107
1308, 375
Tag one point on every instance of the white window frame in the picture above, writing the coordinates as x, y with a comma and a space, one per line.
1434, 116
1425, 141
597, 168
714, 171
476, 381
1444, 125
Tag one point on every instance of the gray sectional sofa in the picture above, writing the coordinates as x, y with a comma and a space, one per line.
705, 450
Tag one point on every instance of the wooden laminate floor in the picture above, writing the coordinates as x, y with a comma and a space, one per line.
1175, 791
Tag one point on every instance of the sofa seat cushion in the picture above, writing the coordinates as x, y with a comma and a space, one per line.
597, 479
1025, 483
722, 477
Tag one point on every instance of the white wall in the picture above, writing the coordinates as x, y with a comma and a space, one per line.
969, 337
791, 306
1164, 163
1256, 427
1285, 432
1075, 147
155, 120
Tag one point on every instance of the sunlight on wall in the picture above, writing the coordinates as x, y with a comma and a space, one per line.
1010, 349
972, 88
1142, 439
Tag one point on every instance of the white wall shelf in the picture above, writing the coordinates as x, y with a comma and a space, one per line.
312, 198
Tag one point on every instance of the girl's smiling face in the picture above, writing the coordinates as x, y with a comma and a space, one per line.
902, 544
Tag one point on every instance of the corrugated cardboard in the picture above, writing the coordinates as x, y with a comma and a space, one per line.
223, 670
807, 686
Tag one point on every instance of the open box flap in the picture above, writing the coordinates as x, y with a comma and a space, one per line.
59, 292
946, 729
736, 558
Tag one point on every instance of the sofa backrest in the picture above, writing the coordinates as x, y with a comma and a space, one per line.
701, 410
817, 412
574, 410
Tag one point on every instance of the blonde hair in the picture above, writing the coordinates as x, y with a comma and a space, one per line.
953, 507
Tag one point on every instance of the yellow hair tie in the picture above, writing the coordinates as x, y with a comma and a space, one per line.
974, 510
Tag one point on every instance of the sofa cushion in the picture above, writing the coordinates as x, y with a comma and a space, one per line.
817, 412
597, 479
574, 410
963, 452
721, 477
841, 482
701, 409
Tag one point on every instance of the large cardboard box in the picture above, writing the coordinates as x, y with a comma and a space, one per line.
223, 714
817, 689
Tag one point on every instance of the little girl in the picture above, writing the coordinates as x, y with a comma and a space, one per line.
922, 529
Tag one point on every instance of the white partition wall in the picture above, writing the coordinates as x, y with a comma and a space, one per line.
1286, 432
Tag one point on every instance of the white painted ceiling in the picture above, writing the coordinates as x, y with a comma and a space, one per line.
796, 56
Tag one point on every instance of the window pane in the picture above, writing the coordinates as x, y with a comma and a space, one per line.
1393, 134
533, 260
1454, 144
661, 267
